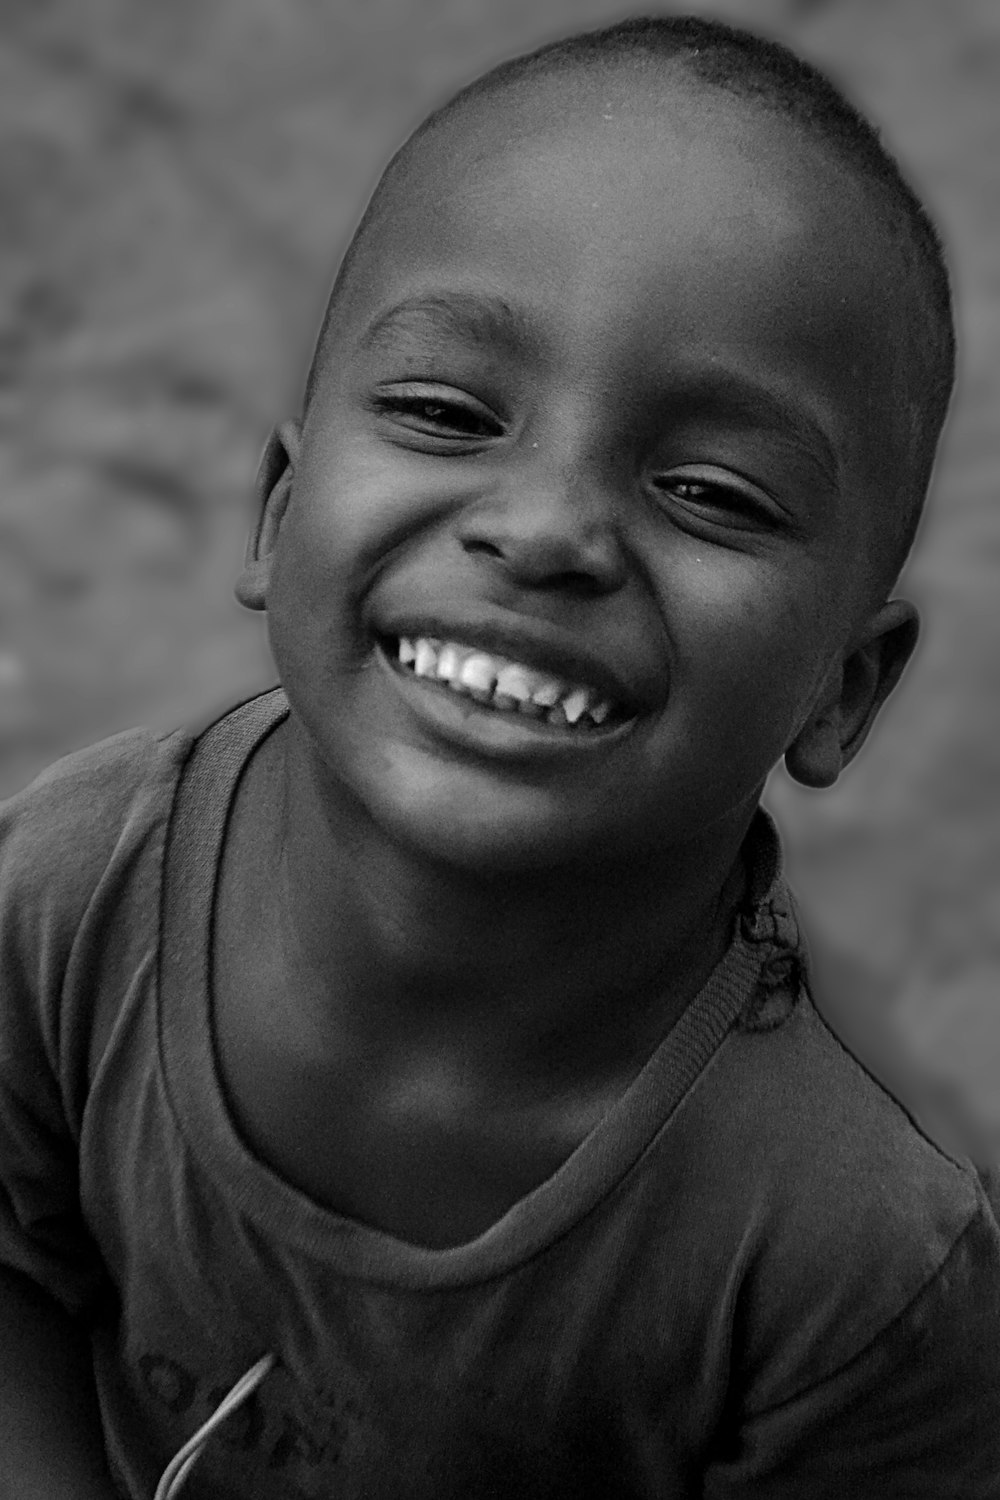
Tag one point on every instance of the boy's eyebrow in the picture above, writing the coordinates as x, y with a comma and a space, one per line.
483, 320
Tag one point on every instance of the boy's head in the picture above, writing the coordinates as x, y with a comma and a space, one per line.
631, 379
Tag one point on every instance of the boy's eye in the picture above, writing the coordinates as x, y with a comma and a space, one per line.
438, 412
718, 496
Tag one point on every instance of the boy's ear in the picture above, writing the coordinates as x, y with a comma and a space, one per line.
854, 693
273, 488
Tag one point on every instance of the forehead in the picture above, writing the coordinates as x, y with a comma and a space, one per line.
666, 154
605, 178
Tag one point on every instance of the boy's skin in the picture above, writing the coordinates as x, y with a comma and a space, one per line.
449, 938
445, 940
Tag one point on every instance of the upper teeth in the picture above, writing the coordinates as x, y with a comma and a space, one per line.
491, 678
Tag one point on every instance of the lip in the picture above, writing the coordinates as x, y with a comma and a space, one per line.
531, 643
462, 722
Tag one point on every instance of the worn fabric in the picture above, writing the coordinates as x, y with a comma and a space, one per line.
756, 1278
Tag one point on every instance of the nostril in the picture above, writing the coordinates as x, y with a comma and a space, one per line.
483, 547
581, 584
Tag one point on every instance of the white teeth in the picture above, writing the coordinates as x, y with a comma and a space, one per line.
505, 685
449, 663
575, 705
478, 672
513, 682
548, 694
425, 662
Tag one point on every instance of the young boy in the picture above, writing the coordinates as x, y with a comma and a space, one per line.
431, 1041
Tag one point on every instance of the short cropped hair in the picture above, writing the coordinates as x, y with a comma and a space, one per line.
770, 76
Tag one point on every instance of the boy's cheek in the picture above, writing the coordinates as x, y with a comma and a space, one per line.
367, 488
316, 572
749, 621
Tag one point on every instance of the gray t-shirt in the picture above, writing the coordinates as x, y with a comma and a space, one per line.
756, 1277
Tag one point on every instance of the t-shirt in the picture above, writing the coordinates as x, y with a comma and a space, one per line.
756, 1277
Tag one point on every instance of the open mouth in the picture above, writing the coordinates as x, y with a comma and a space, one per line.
504, 686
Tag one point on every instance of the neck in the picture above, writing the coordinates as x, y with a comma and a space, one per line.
582, 968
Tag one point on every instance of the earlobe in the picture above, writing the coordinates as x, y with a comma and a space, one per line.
815, 757
841, 721
275, 474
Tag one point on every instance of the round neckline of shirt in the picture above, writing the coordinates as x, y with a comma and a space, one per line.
593, 1172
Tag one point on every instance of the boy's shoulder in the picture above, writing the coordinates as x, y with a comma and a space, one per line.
94, 823
60, 832
853, 1213
868, 1172
80, 865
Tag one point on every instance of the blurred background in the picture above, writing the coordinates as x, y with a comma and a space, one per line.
176, 182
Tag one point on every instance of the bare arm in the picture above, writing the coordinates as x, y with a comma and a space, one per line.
50, 1428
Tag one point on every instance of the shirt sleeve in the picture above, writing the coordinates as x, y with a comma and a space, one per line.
915, 1414
70, 844
41, 1230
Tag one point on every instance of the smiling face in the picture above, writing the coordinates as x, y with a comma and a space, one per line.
578, 533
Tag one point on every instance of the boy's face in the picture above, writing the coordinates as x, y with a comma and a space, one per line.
608, 398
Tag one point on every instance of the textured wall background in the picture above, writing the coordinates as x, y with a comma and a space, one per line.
175, 182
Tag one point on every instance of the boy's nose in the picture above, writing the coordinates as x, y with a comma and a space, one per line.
555, 531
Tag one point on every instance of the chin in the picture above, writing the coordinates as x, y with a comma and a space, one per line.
481, 831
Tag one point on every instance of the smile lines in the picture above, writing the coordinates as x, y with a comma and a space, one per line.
506, 686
